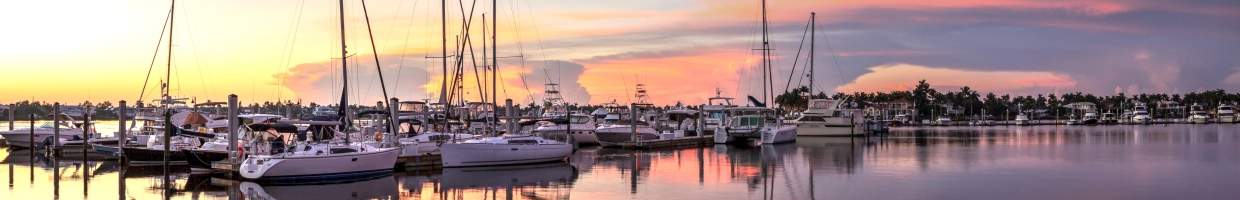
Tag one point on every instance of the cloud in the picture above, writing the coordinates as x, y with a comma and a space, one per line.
892, 77
1233, 79
682, 76
320, 81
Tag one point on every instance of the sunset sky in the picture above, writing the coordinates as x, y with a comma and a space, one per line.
70, 51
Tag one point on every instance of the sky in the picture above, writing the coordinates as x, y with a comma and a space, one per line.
682, 50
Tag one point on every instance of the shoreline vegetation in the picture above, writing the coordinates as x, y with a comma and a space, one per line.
923, 99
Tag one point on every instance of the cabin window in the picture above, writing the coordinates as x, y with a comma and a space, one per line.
522, 141
342, 150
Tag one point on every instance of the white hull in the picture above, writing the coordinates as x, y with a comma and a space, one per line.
582, 133
1141, 119
309, 166
780, 134
21, 138
1226, 119
1198, 119
823, 129
483, 154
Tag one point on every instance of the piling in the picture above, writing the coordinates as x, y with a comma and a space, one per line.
121, 134
512, 125
86, 133
55, 130
232, 128
11, 116
395, 121
633, 122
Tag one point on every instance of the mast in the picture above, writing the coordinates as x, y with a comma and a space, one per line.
344, 91
812, 32
443, 84
168, 68
375, 50
766, 62
494, 60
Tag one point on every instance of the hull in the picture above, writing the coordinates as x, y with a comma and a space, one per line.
824, 129
1090, 121
198, 158
320, 167
1198, 120
470, 155
778, 135
618, 134
19, 139
1226, 119
147, 156
1141, 120
582, 137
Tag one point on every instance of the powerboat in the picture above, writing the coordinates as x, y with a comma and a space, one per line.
824, 118
715, 111
1226, 114
504, 150
429, 142
43, 134
579, 126
1022, 119
943, 121
1141, 115
1090, 118
1198, 115
1108, 118
754, 123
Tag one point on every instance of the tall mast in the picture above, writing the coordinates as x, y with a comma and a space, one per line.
344, 91
375, 50
168, 68
494, 59
443, 30
812, 32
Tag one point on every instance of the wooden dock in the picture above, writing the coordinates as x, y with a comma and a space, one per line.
430, 161
664, 143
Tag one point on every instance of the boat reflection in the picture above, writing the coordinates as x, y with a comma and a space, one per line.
379, 188
538, 181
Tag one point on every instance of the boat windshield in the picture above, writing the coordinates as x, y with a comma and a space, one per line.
749, 120
49, 124
579, 119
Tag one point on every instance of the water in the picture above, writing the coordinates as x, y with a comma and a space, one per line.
1044, 162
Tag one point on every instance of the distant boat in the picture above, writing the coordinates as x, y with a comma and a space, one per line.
1141, 115
580, 126
1226, 114
1022, 119
43, 134
1198, 115
824, 118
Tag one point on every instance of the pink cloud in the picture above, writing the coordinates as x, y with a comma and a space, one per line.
903, 76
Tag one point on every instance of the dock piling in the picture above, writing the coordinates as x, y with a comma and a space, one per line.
11, 116
395, 121
55, 130
122, 135
86, 132
512, 125
232, 128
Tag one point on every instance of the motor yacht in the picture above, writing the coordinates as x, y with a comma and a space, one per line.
824, 118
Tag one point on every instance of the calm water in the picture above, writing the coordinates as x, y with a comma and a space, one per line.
1045, 162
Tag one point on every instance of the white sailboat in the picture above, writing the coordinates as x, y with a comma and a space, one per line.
504, 150
319, 161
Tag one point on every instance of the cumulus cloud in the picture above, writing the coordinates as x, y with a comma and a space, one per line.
1233, 79
904, 76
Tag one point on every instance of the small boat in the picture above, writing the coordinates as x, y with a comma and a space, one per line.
943, 121
754, 123
1140, 115
504, 150
1198, 115
1022, 119
1108, 118
715, 111
21, 138
1090, 118
581, 127
1225, 114
823, 118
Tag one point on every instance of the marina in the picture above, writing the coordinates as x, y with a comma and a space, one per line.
490, 99
1034, 162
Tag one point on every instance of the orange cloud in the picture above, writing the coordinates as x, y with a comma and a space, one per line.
903, 76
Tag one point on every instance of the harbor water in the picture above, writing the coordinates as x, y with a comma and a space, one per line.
1177, 161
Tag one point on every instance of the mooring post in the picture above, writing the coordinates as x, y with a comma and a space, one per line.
393, 126
701, 129
11, 116
121, 134
55, 130
32, 144
512, 117
633, 122
232, 128
86, 126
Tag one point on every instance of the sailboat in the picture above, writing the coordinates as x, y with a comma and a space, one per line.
509, 149
313, 160
757, 122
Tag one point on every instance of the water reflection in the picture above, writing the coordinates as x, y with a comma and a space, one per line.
1039, 162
